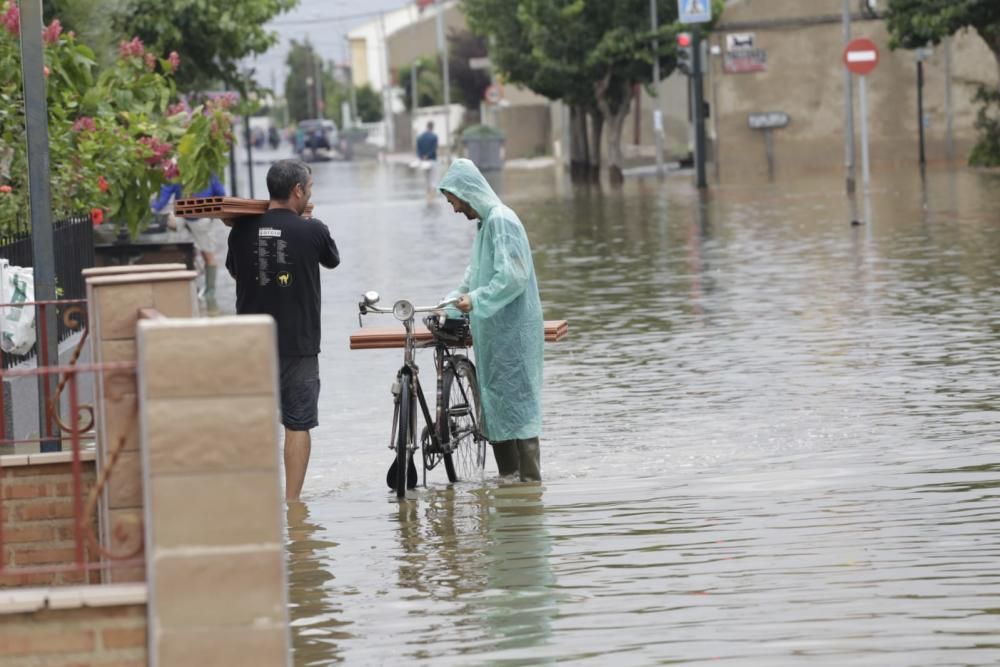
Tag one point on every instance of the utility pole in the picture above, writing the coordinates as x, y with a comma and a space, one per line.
233, 189
414, 75
921, 54
699, 110
390, 121
848, 107
40, 207
443, 50
318, 78
657, 114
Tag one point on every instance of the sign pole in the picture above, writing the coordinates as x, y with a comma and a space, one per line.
848, 107
657, 118
861, 57
699, 110
863, 100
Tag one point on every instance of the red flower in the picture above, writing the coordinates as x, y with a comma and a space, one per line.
96, 216
5, 188
134, 48
84, 124
170, 170
51, 34
12, 20
102, 183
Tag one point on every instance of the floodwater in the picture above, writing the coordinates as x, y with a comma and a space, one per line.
771, 438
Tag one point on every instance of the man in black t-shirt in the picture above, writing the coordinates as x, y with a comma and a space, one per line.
275, 259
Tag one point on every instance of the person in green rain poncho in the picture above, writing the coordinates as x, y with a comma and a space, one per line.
500, 294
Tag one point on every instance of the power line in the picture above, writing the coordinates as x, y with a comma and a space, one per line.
326, 19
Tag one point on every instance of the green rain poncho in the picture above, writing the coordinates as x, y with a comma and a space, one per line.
507, 326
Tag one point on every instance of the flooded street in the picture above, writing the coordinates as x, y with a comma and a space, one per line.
771, 438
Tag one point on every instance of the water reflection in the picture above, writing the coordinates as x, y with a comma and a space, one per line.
484, 553
317, 625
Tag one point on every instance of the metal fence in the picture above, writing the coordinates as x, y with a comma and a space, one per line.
48, 525
74, 252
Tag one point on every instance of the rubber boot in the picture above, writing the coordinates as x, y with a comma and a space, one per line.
210, 304
530, 464
507, 458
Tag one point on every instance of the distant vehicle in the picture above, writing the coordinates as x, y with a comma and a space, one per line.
318, 138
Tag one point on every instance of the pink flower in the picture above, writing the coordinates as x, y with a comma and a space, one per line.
46, 71
5, 189
170, 170
51, 34
12, 20
84, 124
175, 61
150, 60
175, 109
158, 150
133, 49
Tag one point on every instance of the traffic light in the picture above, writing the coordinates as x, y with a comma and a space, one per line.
684, 55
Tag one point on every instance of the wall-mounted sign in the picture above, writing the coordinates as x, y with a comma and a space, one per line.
768, 120
740, 40
741, 61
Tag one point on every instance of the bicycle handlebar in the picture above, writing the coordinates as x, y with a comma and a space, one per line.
403, 310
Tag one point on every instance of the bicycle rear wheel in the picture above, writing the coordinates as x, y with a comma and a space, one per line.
461, 422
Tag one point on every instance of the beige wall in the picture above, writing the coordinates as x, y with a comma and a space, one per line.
528, 130
804, 78
359, 62
420, 39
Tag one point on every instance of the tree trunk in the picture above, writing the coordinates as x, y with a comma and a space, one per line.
616, 126
580, 154
596, 134
615, 118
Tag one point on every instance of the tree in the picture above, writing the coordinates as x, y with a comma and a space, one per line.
588, 53
430, 90
211, 37
115, 134
470, 84
301, 89
916, 23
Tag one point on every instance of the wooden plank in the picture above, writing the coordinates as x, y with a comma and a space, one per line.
383, 338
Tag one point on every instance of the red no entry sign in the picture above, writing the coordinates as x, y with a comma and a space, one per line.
861, 55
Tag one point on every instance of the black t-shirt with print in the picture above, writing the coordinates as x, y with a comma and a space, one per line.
275, 259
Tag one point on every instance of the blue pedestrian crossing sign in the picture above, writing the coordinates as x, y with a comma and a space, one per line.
694, 11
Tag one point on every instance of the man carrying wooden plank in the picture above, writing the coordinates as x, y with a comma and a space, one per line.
275, 259
500, 294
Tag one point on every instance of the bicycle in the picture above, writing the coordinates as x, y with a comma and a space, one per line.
454, 436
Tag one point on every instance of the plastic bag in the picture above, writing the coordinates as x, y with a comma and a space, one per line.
17, 324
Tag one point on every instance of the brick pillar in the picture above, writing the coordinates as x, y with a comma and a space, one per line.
114, 299
214, 504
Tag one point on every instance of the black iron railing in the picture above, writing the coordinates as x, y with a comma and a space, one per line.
74, 252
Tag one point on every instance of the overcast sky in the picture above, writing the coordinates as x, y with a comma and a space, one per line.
326, 23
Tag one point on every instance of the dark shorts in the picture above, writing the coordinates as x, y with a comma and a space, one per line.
299, 392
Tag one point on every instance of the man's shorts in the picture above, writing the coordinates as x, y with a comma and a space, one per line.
299, 392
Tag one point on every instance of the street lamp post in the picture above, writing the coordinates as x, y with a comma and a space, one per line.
443, 50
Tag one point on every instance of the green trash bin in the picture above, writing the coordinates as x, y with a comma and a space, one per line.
484, 146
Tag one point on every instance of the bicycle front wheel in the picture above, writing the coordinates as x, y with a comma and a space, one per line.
461, 424
403, 437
